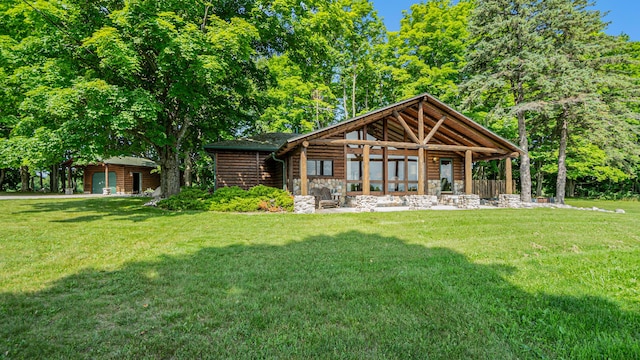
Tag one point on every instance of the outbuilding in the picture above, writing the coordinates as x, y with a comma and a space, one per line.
121, 175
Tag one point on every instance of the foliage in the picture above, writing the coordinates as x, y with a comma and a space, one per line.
429, 50
189, 198
230, 199
488, 284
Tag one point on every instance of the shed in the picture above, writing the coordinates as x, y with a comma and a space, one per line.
126, 175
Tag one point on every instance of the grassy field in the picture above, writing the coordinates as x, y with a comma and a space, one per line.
107, 278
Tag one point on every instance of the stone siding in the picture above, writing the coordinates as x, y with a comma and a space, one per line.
421, 202
336, 186
509, 201
365, 203
468, 202
304, 204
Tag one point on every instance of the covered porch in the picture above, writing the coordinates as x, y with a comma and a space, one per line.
417, 147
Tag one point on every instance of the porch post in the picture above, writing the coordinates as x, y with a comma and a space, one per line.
468, 180
106, 175
365, 176
421, 157
508, 176
303, 170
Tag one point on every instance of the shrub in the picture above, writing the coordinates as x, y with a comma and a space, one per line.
189, 198
258, 198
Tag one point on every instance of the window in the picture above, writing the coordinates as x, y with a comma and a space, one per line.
319, 168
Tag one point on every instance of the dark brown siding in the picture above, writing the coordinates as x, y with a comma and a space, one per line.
433, 167
247, 169
322, 152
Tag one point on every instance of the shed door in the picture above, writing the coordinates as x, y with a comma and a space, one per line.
97, 182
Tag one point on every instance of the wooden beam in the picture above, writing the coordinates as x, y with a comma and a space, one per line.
365, 176
421, 172
407, 145
304, 191
434, 130
421, 123
508, 176
106, 175
468, 179
406, 127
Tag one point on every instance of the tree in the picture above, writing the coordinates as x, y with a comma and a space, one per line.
505, 62
429, 50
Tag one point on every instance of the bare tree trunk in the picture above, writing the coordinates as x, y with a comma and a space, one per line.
169, 171
41, 182
2, 171
24, 178
539, 181
63, 178
344, 101
53, 179
353, 92
571, 188
525, 165
562, 159
188, 169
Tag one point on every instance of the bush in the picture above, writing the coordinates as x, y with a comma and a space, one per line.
189, 198
230, 199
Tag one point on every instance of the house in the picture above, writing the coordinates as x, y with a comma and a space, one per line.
126, 175
418, 146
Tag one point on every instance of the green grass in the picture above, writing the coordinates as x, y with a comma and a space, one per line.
107, 278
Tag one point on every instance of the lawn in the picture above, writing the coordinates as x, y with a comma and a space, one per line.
108, 278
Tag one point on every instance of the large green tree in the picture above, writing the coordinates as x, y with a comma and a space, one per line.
429, 50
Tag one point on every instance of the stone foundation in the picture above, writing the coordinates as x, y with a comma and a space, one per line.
509, 201
304, 204
336, 186
421, 202
468, 202
450, 200
365, 203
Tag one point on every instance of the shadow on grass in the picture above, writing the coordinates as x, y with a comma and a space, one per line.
354, 295
127, 208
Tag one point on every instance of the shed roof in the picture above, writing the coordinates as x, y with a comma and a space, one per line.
264, 142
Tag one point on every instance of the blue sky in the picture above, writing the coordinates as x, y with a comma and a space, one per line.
624, 15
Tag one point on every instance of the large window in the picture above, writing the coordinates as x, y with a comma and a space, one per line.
319, 167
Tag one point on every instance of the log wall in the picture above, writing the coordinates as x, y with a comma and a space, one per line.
247, 169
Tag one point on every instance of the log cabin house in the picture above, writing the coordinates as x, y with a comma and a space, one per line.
126, 175
419, 146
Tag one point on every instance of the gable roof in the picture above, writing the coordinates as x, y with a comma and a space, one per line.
130, 161
456, 129
264, 142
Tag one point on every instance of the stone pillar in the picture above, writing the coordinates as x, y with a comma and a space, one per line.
469, 201
304, 204
366, 203
421, 202
509, 201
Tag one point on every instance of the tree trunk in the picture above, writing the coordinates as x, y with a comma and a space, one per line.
353, 92
53, 179
1, 178
63, 178
571, 188
24, 178
169, 171
344, 100
188, 169
562, 159
41, 182
539, 181
525, 165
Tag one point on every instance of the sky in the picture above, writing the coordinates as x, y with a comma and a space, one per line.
624, 15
